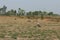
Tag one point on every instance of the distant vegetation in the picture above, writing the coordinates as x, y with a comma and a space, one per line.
22, 12
16, 28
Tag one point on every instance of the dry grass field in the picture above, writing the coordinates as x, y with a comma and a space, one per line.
17, 28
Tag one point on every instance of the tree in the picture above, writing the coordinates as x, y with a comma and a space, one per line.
44, 12
21, 12
15, 12
50, 13
39, 13
42, 16
11, 12
35, 13
29, 13
4, 9
0, 11
7, 13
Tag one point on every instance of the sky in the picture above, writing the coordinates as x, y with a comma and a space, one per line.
32, 5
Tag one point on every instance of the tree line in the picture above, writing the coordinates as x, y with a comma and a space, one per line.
22, 12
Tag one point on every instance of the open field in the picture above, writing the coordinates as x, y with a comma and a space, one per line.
16, 28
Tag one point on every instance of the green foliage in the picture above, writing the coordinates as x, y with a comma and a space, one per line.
29, 13
2, 35
22, 12
50, 13
42, 16
49, 34
14, 35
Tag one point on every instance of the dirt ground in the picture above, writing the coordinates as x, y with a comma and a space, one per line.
17, 28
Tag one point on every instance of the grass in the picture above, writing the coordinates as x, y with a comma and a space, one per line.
2, 35
48, 33
23, 29
14, 35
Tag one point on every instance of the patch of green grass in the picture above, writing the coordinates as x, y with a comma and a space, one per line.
30, 32
14, 35
2, 35
49, 34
